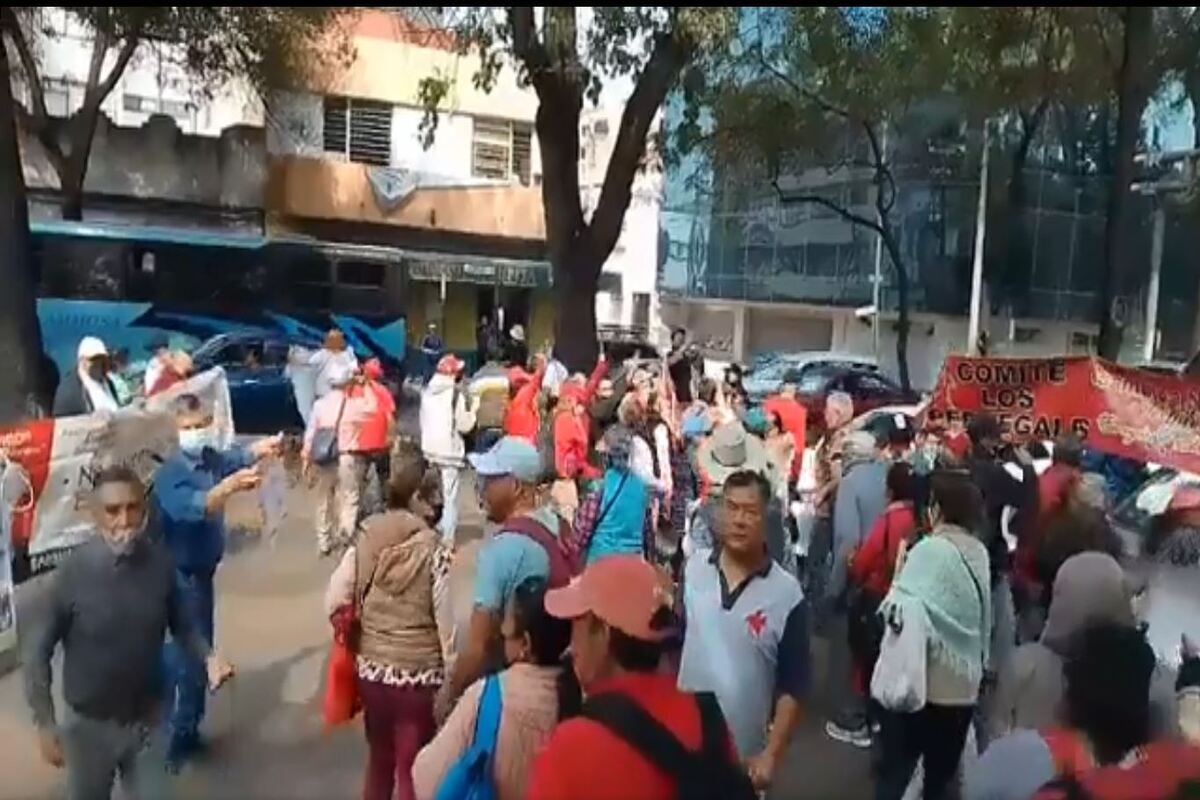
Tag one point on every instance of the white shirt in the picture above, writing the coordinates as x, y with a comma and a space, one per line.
99, 393
333, 369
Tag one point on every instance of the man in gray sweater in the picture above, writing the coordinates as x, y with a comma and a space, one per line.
110, 605
861, 498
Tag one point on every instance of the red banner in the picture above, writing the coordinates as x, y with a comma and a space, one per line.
1120, 410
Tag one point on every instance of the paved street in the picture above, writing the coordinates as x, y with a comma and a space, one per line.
265, 727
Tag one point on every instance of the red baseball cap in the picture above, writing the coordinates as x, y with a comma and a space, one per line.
622, 590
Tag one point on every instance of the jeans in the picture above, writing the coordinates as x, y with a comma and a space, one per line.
339, 484
186, 681
451, 479
934, 735
398, 722
98, 751
848, 704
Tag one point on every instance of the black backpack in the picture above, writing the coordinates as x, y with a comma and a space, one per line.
709, 774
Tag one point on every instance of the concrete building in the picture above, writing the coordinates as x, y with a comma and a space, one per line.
453, 231
627, 301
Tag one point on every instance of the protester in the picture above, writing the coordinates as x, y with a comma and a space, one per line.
87, 388
118, 365
1091, 588
1105, 746
735, 392
571, 441
781, 448
530, 542
638, 732
1075, 527
447, 415
793, 418
839, 410
176, 369
728, 450
335, 364
898, 439
432, 350
615, 518
339, 482
378, 426
681, 364
536, 693
487, 343
110, 604
522, 419
944, 581
160, 357
861, 500
518, 350
872, 567
190, 492
397, 576
747, 630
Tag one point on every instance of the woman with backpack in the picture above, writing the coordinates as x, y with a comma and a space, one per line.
534, 693
615, 518
938, 617
396, 581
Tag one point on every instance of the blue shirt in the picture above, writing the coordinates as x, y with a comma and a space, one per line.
195, 538
509, 559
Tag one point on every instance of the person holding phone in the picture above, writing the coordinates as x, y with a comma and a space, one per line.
190, 492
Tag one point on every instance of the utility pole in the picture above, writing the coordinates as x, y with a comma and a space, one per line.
977, 261
1180, 179
877, 278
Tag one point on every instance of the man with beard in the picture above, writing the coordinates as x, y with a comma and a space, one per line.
110, 604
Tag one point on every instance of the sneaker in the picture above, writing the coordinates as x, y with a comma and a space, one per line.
857, 737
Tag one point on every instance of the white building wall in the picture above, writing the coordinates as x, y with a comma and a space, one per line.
634, 260
153, 81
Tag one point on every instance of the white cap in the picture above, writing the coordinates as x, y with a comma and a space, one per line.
517, 333
90, 347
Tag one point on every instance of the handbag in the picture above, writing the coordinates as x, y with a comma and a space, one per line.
341, 701
324, 448
899, 680
470, 778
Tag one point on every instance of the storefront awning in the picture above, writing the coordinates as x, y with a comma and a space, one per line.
148, 233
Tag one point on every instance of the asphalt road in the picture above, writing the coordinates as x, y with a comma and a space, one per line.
264, 727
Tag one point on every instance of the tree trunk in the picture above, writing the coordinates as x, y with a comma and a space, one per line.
20, 336
575, 342
893, 249
1131, 101
72, 201
1018, 267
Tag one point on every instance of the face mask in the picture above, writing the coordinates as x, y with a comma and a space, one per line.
126, 544
194, 440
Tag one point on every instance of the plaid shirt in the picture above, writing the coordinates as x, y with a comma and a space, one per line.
589, 513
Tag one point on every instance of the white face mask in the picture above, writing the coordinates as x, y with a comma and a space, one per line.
194, 440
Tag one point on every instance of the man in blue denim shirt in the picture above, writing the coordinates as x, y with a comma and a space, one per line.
190, 492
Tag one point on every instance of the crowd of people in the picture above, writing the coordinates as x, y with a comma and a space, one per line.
659, 556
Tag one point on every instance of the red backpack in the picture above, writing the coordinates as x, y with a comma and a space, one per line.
566, 557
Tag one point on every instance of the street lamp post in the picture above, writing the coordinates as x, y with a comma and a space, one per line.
977, 261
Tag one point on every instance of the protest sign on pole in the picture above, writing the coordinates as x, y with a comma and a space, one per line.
1124, 411
61, 458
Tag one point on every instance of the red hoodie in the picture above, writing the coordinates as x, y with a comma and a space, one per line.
1054, 488
521, 417
875, 562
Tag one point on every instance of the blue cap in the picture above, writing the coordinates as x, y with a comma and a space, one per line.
695, 425
511, 455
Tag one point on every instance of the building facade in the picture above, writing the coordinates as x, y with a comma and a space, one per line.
627, 301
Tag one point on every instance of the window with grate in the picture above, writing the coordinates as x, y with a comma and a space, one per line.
358, 130
502, 150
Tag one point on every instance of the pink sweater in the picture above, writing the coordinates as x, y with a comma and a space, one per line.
529, 712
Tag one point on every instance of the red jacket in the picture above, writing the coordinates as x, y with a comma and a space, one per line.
571, 446
1054, 486
874, 564
521, 417
582, 760
794, 420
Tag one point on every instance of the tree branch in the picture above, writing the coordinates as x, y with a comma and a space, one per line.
123, 57
841, 211
666, 60
10, 23
800, 89
528, 49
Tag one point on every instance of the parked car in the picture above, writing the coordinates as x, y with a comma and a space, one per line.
770, 371
260, 389
866, 386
